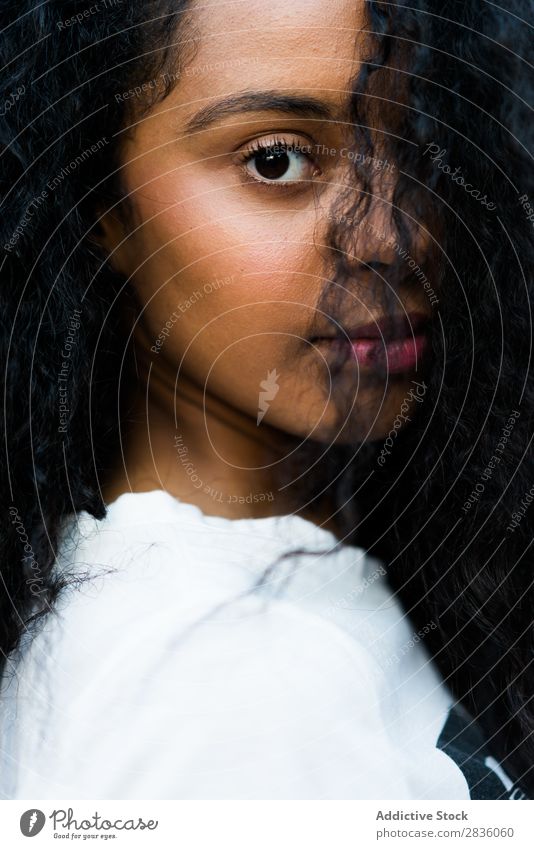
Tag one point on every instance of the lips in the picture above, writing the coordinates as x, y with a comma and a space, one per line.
395, 356
393, 344
389, 328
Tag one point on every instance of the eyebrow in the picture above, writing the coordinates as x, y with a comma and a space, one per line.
259, 101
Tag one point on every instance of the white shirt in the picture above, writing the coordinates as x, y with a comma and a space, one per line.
166, 675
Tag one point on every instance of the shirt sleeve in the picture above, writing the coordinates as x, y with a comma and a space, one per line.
266, 702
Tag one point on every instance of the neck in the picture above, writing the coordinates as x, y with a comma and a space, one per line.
205, 452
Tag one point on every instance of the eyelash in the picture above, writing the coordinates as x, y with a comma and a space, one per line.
257, 146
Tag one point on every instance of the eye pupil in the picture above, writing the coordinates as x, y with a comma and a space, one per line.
271, 163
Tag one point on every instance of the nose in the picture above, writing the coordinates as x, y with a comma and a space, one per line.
375, 238
369, 236
362, 234
378, 266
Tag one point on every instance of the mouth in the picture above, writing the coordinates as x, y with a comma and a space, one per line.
394, 344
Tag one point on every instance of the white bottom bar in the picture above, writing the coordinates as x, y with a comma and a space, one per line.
267, 825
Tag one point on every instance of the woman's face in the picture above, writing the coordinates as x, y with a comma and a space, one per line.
232, 178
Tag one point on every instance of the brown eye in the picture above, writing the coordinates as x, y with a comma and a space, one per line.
272, 164
279, 163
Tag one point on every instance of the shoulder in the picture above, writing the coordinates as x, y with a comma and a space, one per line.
252, 702
164, 674
140, 568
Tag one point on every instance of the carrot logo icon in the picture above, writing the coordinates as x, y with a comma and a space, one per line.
32, 822
270, 388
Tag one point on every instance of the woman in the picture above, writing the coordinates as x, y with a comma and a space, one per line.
267, 401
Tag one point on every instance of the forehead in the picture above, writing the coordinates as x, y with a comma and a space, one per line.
300, 44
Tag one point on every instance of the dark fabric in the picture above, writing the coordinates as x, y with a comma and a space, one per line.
462, 740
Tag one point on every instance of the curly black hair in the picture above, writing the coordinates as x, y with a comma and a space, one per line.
444, 94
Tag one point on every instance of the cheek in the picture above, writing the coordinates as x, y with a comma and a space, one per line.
205, 223
224, 284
